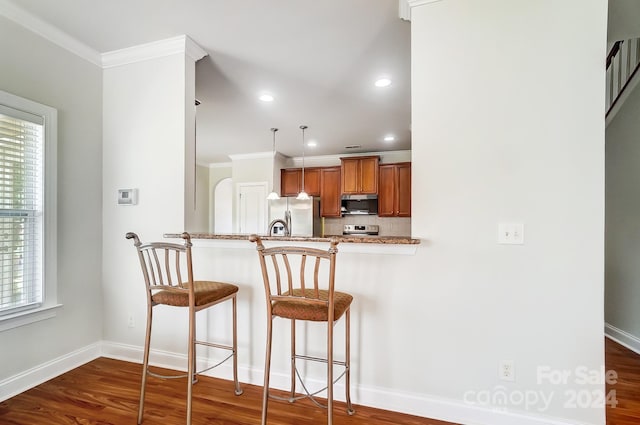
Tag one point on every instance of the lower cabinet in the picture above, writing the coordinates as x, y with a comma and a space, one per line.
394, 190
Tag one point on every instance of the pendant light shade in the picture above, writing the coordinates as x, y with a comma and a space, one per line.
302, 196
273, 195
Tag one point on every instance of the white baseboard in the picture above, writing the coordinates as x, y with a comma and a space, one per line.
23, 381
623, 338
414, 404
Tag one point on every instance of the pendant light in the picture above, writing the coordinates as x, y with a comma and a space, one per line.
273, 195
302, 196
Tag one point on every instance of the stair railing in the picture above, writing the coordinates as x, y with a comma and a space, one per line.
623, 62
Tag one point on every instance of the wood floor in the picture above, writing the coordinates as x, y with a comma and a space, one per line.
626, 363
105, 392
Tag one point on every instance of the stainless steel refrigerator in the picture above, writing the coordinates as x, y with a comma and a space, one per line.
301, 217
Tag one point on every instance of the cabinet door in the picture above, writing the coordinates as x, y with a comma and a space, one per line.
369, 175
290, 181
403, 194
311, 181
330, 192
387, 190
349, 175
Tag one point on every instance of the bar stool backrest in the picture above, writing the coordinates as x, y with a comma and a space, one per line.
301, 274
165, 266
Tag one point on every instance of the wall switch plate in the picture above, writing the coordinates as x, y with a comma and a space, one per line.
511, 233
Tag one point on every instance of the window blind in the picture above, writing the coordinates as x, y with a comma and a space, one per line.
21, 209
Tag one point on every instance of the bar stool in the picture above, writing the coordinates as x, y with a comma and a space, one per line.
163, 266
292, 298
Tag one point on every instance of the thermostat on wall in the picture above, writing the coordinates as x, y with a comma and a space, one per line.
127, 196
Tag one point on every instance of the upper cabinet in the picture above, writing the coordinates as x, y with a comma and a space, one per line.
394, 198
330, 192
291, 181
360, 175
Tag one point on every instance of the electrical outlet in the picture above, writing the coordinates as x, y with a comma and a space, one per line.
130, 321
511, 233
507, 370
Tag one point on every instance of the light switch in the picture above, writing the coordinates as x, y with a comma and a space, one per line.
511, 233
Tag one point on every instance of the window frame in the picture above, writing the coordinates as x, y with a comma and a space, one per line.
49, 304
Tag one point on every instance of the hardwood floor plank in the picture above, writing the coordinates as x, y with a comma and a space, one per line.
626, 363
106, 391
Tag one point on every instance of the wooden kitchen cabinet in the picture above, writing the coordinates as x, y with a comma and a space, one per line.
291, 181
394, 195
330, 199
359, 175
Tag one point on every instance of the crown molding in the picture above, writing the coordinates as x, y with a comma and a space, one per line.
155, 49
386, 157
415, 3
255, 155
49, 32
193, 50
221, 165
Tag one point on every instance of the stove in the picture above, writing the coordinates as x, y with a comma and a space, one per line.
360, 229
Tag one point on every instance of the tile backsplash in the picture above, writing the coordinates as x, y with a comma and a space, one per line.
389, 226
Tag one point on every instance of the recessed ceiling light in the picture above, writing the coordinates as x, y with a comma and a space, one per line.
312, 143
383, 82
266, 97
389, 138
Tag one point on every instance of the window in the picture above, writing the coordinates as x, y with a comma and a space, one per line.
27, 206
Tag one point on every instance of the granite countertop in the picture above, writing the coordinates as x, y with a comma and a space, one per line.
403, 240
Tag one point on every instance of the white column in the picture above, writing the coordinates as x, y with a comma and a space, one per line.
508, 126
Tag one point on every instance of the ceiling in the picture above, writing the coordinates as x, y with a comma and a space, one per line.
318, 58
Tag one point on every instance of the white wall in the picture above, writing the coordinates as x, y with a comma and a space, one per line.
200, 210
623, 20
41, 71
144, 147
623, 221
217, 172
508, 125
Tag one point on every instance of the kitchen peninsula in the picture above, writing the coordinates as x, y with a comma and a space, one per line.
400, 240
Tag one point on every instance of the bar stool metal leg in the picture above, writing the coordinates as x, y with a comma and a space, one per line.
190, 364
330, 325
145, 363
293, 361
238, 390
347, 332
267, 368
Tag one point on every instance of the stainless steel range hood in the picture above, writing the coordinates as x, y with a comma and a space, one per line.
359, 197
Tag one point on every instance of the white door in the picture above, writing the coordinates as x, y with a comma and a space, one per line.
252, 208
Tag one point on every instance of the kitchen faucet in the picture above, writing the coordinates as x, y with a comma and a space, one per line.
279, 221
